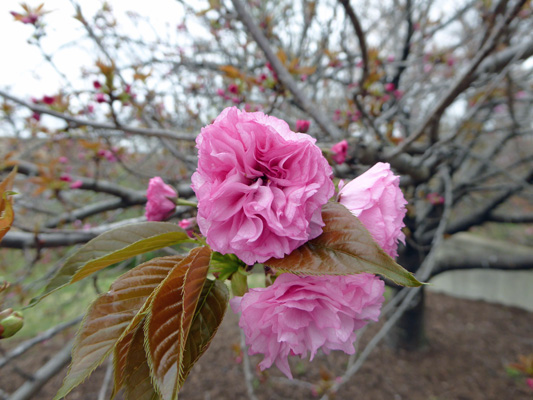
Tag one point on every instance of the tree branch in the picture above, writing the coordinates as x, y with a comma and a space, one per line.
284, 75
149, 132
360, 36
462, 83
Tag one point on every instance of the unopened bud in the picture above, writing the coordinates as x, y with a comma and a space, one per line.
10, 323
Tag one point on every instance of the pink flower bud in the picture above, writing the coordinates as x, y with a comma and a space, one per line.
389, 87
65, 178
100, 98
233, 88
161, 200
48, 100
340, 150
76, 184
185, 224
97, 85
302, 125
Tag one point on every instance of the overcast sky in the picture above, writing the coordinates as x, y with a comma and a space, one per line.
23, 69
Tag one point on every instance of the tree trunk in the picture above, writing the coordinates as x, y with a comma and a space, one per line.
409, 332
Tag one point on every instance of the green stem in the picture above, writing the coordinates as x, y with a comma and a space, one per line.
182, 202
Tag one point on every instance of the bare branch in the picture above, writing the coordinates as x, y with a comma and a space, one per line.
148, 132
284, 75
360, 36
44, 374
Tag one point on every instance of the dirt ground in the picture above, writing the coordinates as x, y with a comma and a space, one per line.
470, 344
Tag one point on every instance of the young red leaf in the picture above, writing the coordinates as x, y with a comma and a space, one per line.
344, 247
135, 370
176, 309
170, 315
112, 316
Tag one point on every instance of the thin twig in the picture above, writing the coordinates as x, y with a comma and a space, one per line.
107, 379
284, 75
246, 366
44, 374
46, 335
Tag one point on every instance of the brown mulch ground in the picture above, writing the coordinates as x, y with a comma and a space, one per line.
471, 342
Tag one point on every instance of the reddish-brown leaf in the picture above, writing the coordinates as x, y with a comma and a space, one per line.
135, 370
345, 247
7, 214
209, 314
112, 316
170, 317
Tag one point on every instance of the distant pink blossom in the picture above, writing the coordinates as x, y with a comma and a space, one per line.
185, 224
36, 116
221, 92
76, 184
390, 59
233, 88
100, 98
63, 160
398, 94
161, 200
302, 125
435, 198
389, 87
529, 382
48, 100
376, 199
260, 186
65, 178
297, 315
340, 151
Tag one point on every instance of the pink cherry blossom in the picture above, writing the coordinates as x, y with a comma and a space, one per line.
76, 184
297, 315
65, 178
100, 98
390, 87
161, 200
340, 150
48, 100
260, 186
63, 160
185, 223
302, 125
376, 199
233, 88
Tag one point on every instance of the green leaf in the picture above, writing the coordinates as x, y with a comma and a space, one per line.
345, 247
115, 246
186, 305
112, 316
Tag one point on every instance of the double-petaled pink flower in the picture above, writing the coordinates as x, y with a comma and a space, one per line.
161, 200
376, 199
300, 314
260, 186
